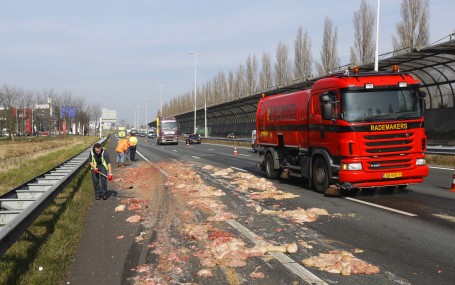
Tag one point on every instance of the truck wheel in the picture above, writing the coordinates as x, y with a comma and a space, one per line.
320, 175
269, 168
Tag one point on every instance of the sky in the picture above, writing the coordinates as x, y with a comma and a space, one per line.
117, 53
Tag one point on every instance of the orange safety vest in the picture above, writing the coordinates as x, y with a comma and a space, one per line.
122, 145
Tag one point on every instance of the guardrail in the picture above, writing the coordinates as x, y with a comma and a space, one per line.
443, 150
431, 149
20, 207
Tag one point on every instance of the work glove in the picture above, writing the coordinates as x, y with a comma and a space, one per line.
109, 177
96, 170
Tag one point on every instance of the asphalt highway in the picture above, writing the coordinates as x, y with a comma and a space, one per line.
409, 234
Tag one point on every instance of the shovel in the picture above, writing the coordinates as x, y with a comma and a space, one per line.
129, 187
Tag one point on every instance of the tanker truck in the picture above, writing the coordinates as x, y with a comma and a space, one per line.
351, 130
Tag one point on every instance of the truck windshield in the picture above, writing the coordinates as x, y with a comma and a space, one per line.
169, 125
369, 106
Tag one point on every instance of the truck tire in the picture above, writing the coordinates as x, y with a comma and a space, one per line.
320, 175
269, 167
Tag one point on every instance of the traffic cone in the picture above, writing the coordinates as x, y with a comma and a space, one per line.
235, 150
187, 143
452, 189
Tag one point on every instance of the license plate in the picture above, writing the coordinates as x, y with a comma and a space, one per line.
392, 175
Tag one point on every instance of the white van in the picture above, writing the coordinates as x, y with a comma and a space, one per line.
253, 140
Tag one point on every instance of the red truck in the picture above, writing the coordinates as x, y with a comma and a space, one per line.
348, 131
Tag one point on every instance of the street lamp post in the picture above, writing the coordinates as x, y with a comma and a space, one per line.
138, 119
161, 106
205, 117
195, 64
146, 116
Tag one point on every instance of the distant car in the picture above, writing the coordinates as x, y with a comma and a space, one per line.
231, 136
151, 134
194, 138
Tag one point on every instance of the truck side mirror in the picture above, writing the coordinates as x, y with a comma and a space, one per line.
422, 95
326, 106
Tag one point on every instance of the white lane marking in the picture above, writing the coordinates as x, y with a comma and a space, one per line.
286, 261
244, 154
174, 150
146, 159
238, 169
445, 217
196, 157
443, 168
382, 207
211, 149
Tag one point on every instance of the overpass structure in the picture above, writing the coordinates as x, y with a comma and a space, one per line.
433, 65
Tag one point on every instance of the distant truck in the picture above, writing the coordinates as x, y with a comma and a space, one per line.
167, 130
348, 131
121, 132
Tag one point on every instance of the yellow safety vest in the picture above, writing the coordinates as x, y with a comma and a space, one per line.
102, 159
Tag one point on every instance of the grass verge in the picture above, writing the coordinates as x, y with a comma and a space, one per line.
51, 241
40, 163
442, 160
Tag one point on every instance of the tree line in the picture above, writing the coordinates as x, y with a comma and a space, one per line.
15, 104
250, 78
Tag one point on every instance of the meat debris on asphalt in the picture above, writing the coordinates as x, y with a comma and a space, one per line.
200, 220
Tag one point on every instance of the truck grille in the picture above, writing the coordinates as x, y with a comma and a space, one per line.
389, 146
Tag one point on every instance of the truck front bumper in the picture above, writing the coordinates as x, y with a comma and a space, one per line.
362, 179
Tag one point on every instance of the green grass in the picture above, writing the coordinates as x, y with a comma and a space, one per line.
20, 169
51, 241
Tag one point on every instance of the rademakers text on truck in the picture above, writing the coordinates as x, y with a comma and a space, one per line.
348, 131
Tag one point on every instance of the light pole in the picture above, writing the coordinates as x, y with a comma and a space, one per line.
195, 64
138, 119
161, 106
146, 117
377, 39
205, 118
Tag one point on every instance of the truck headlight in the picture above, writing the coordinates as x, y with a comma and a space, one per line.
420, 161
351, 166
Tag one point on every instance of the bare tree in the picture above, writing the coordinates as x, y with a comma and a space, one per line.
9, 97
251, 74
265, 76
363, 49
329, 54
230, 85
282, 71
303, 59
414, 28
239, 82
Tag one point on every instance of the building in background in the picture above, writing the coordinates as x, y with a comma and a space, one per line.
108, 119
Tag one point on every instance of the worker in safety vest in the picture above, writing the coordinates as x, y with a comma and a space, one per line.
122, 146
133, 144
101, 169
